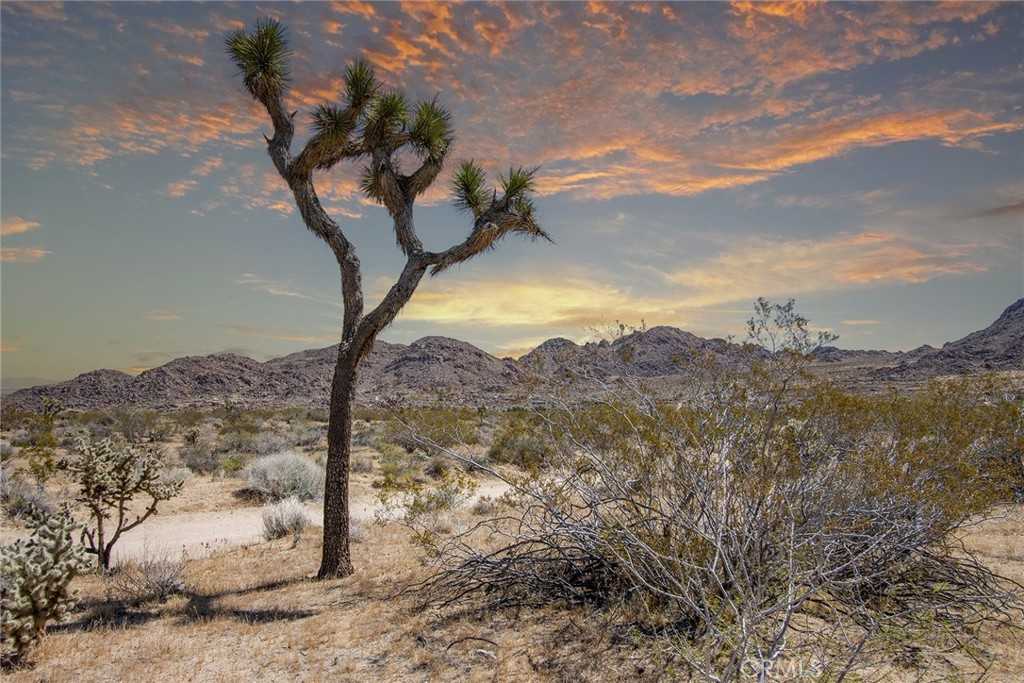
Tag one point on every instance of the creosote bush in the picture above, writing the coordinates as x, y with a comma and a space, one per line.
521, 440
284, 475
757, 517
36, 574
441, 426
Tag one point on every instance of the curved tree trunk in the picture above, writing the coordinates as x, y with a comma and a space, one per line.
337, 561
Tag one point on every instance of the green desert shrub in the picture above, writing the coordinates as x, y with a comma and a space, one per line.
437, 467
135, 425
36, 575
521, 441
231, 465
421, 428
286, 474
243, 441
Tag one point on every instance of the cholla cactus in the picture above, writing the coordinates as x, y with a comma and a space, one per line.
36, 573
109, 475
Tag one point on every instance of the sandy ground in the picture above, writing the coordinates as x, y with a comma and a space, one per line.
200, 533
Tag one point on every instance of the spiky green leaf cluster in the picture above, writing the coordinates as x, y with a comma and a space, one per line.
36, 573
431, 132
386, 118
524, 208
517, 184
262, 56
469, 186
370, 184
332, 123
360, 83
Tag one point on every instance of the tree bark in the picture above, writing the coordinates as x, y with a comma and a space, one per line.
336, 560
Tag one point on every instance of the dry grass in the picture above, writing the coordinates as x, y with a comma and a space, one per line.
251, 613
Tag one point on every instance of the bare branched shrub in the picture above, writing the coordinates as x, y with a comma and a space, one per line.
361, 464
284, 517
755, 519
149, 577
199, 456
356, 530
21, 498
266, 443
284, 475
484, 505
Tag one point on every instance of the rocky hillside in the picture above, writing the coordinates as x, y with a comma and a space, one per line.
657, 352
454, 371
1000, 346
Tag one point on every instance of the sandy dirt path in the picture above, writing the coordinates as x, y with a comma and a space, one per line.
200, 533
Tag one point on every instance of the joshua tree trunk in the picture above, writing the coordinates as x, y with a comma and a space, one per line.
373, 127
336, 560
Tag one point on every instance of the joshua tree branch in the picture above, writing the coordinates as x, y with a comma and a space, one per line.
298, 173
487, 230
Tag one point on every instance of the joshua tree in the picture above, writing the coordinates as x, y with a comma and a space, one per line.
374, 126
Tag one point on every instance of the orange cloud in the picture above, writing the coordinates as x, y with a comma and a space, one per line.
363, 9
576, 302
784, 268
802, 146
22, 254
16, 225
180, 188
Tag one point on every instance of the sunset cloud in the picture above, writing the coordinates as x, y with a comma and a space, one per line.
814, 143
180, 188
16, 225
691, 158
22, 254
162, 314
788, 268
612, 130
578, 302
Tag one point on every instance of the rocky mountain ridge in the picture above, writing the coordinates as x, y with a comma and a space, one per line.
441, 368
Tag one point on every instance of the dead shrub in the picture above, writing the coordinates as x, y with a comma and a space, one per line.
754, 519
148, 577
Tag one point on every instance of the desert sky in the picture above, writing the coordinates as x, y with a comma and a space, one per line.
865, 159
